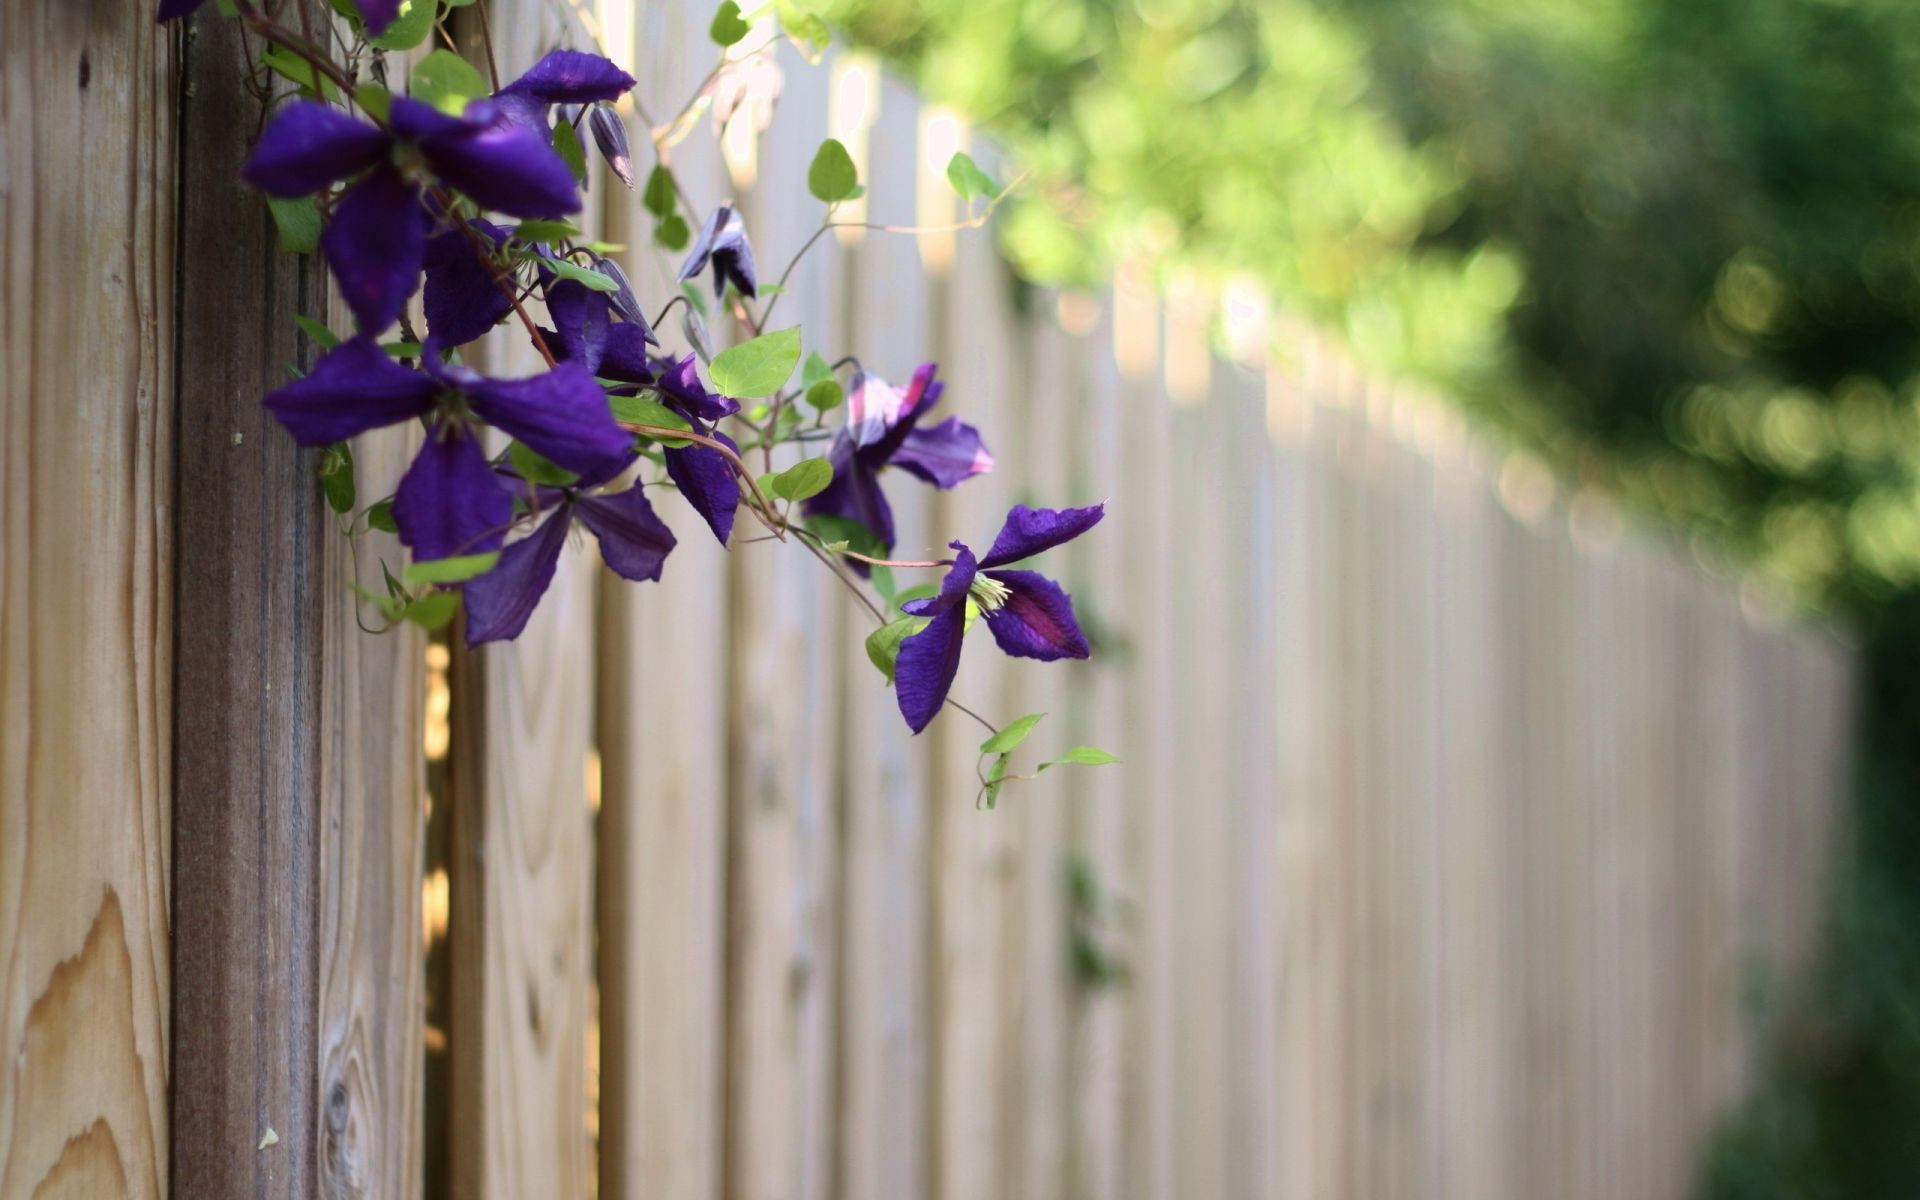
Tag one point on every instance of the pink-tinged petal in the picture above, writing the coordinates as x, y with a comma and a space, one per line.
945, 456
633, 541
376, 242
498, 162
1029, 531
873, 407
572, 77
707, 480
353, 388
923, 673
310, 145
461, 298
563, 414
499, 602
450, 501
1036, 619
378, 14
580, 321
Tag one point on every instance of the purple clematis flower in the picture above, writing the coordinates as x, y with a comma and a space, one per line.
723, 241
461, 298
1029, 614
376, 238
375, 14
633, 542
450, 501
883, 429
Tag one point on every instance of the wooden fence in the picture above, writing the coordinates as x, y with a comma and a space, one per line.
1455, 824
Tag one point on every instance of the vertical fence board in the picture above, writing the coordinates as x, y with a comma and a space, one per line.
87, 356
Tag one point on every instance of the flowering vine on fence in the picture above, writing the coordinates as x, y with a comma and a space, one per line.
394, 192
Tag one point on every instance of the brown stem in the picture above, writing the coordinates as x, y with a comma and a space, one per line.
486, 39
761, 508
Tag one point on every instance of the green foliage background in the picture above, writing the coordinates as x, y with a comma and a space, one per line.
1671, 247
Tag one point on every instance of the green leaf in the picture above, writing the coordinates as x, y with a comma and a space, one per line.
403, 349
446, 81
832, 177
380, 516
457, 569
1011, 734
808, 31
409, 27
919, 591
658, 196
825, 395
883, 644
996, 779
320, 335
298, 221
566, 143
535, 467
389, 607
759, 367
814, 369
644, 410
672, 232
1082, 756
336, 477
432, 610
968, 179
727, 27
286, 63
374, 100
552, 233
568, 269
804, 479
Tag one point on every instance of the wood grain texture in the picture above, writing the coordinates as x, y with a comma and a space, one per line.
86, 355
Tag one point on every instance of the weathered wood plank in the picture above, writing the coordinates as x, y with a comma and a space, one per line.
87, 357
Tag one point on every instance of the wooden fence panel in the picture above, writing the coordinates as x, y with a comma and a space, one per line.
87, 357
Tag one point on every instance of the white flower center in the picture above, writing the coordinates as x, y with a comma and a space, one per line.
988, 593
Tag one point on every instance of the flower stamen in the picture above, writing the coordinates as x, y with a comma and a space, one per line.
989, 594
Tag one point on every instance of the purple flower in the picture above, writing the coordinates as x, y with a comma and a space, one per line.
633, 542
377, 14
571, 77
723, 241
450, 500
376, 237
1029, 614
462, 299
610, 134
883, 430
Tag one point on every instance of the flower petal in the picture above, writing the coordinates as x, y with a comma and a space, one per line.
633, 541
954, 585
169, 9
682, 388
580, 320
572, 77
1036, 620
854, 494
499, 162
625, 357
353, 388
563, 414
462, 300
450, 501
378, 14
610, 134
310, 145
945, 456
723, 241
499, 602
923, 673
376, 242
706, 479
1028, 531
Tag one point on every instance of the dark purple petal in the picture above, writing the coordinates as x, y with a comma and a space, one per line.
378, 14
945, 456
723, 241
622, 298
169, 9
682, 389
500, 163
462, 300
450, 501
626, 354
375, 242
572, 77
633, 541
928, 660
854, 494
610, 134
499, 602
562, 414
353, 388
954, 585
309, 146
1036, 619
580, 323
706, 479
1028, 531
